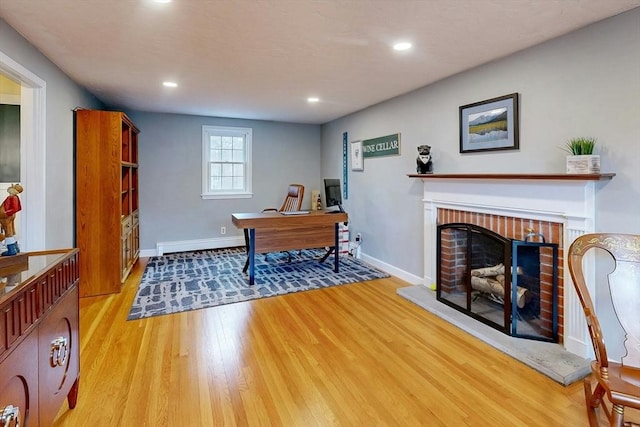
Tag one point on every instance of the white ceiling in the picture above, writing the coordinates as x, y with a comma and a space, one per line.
261, 59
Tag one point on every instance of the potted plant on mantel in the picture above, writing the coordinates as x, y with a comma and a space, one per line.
581, 159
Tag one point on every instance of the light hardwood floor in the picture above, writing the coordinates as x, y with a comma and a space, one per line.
352, 355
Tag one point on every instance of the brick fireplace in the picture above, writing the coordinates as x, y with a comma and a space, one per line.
536, 301
561, 207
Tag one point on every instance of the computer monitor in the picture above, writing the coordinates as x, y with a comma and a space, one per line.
332, 193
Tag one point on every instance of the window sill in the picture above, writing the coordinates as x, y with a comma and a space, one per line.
223, 196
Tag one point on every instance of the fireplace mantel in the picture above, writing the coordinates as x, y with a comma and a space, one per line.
517, 176
567, 199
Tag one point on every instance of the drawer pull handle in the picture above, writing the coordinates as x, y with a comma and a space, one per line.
10, 413
59, 352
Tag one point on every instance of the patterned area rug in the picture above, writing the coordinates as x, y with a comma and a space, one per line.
194, 280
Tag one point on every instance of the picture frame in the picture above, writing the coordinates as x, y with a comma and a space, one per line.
357, 158
490, 125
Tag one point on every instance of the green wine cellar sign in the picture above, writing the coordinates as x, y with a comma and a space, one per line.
383, 146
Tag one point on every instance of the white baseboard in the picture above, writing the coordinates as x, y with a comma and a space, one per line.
193, 245
390, 269
230, 242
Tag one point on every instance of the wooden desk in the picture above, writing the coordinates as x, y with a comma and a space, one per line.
273, 231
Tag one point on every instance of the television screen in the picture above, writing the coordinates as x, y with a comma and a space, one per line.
332, 193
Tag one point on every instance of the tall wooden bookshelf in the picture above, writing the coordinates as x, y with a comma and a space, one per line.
107, 227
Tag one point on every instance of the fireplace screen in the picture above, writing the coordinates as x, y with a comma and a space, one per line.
510, 285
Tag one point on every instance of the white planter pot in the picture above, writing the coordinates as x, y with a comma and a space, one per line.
585, 164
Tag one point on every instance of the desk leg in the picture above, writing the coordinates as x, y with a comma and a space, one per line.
326, 255
336, 248
252, 255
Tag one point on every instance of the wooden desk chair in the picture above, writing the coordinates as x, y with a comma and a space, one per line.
619, 380
292, 202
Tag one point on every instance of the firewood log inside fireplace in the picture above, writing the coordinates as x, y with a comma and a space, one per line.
488, 271
491, 280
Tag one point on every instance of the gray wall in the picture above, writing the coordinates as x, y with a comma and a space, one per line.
170, 147
586, 83
62, 96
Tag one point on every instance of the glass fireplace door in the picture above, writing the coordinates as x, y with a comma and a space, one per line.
534, 293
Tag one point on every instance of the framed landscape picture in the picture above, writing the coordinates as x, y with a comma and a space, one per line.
490, 125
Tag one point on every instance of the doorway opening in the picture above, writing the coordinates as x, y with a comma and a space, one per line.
32, 153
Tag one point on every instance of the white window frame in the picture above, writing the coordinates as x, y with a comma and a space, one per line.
207, 132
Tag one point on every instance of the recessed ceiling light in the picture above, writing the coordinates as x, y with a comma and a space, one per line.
162, 1
402, 46
313, 99
170, 84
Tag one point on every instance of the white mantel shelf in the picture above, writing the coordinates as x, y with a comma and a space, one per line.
519, 176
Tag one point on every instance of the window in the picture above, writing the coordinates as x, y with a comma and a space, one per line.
226, 162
